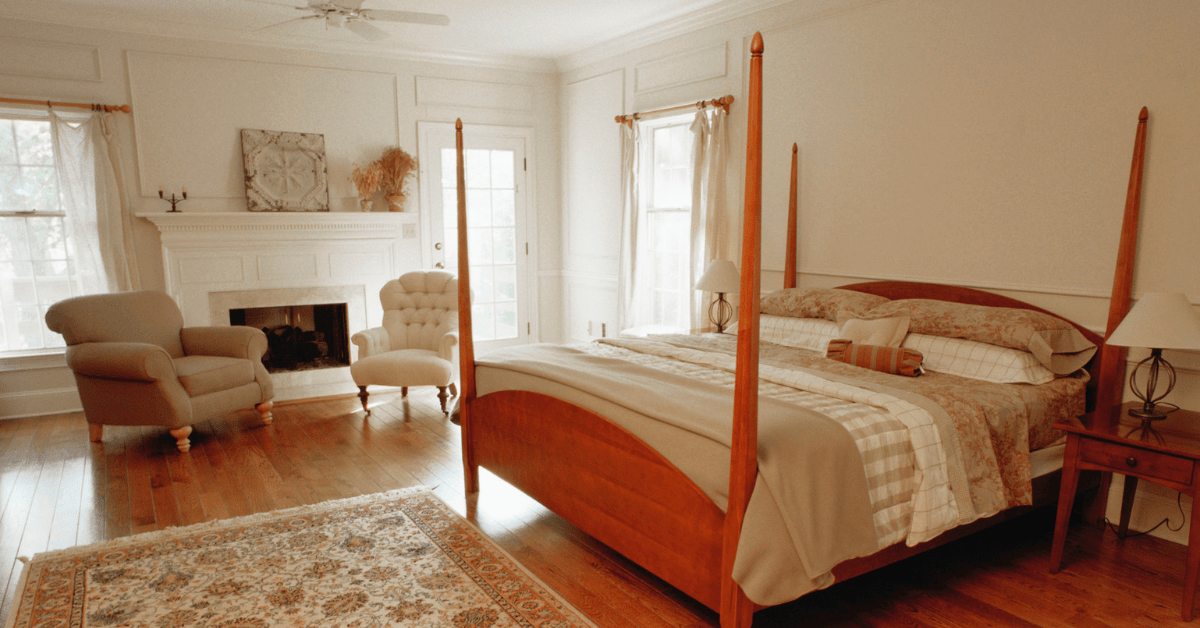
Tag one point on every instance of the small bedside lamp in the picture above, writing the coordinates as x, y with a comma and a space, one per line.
720, 277
1157, 321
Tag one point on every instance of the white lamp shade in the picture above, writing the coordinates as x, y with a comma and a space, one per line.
1159, 320
720, 276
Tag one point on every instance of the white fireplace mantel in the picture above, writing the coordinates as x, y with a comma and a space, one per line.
217, 261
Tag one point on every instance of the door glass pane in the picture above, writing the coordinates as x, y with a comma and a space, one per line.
504, 210
505, 243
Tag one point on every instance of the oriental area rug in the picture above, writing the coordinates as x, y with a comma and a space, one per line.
393, 559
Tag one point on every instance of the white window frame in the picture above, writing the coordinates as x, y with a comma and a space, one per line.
647, 264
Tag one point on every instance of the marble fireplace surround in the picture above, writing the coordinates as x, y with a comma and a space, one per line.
215, 262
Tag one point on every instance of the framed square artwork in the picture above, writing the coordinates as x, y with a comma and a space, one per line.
285, 171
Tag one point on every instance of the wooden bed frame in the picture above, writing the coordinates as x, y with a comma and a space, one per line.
616, 488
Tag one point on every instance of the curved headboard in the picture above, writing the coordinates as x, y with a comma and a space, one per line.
957, 294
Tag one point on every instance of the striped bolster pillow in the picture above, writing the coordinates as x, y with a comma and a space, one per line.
894, 360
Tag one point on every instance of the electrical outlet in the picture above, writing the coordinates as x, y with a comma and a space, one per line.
410, 230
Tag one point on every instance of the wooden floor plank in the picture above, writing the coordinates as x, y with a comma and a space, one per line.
116, 483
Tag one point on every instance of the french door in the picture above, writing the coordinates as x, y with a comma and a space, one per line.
497, 224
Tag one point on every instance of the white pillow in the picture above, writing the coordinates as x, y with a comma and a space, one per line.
813, 334
978, 360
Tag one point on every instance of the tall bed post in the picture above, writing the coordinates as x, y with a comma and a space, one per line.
736, 609
466, 347
789, 262
1111, 382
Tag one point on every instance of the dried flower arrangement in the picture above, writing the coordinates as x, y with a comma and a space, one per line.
367, 178
397, 166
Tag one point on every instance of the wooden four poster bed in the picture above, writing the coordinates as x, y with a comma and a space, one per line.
582, 464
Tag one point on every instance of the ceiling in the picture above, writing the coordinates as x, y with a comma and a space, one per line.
515, 31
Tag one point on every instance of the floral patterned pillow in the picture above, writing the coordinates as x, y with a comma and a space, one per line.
819, 303
1053, 341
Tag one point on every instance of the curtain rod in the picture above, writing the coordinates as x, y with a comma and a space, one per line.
722, 102
73, 105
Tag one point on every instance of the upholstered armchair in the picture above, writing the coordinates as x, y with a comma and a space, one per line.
417, 345
136, 364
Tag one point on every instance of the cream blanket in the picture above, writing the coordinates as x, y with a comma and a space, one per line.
808, 511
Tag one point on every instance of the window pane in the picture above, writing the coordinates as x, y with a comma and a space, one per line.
8, 143
504, 210
483, 320
506, 283
449, 169
502, 169
47, 240
14, 243
479, 208
23, 326
482, 285
51, 339
450, 208
505, 241
506, 320
478, 164
480, 246
33, 142
13, 196
41, 188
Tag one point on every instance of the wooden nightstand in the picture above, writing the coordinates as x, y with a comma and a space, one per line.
1171, 463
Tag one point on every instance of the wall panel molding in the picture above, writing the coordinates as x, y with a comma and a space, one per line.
688, 67
49, 60
434, 91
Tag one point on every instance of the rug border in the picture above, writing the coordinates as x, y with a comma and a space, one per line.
176, 531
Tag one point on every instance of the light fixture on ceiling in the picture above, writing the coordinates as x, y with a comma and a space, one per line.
351, 15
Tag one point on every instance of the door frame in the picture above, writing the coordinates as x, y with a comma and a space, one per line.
426, 129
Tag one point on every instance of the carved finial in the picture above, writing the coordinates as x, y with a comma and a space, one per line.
458, 124
756, 44
1143, 115
795, 148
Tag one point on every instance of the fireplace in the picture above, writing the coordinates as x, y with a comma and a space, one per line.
300, 337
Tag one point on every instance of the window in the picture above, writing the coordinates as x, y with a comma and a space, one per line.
667, 205
35, 256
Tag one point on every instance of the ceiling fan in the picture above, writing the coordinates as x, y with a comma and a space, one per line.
351, 15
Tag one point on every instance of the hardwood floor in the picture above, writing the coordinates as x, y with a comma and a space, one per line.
58, 490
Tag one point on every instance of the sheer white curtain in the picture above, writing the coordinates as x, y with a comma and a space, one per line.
712, 232
94, 201
627, 312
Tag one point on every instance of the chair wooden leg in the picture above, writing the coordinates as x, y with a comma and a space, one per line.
95, 432
442, 398
264, 409
181, 436
362, 394
404, 391
453, 390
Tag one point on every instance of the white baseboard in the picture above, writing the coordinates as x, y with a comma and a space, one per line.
39, 402
1152, 504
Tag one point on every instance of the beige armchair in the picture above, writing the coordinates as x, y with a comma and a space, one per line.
136, 364
418, 342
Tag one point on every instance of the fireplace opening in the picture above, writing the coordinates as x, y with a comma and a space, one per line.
300, 337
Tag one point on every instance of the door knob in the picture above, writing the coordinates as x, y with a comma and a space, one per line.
439, 265
437, 246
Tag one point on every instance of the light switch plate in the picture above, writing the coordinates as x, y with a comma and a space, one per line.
410, 231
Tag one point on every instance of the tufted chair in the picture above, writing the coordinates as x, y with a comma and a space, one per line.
136, 364
418, 342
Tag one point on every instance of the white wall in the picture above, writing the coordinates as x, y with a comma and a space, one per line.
191, 99
984, 144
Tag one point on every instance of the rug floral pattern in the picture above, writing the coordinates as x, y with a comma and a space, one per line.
399, 559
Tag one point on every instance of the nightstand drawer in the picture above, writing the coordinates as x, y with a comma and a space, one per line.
1140, 462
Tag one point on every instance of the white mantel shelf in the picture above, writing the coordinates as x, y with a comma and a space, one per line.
250, 222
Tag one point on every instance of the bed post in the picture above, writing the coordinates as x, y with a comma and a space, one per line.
1111, 381
466, 347
736, 609
789, 262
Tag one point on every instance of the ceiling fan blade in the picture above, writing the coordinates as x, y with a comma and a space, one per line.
366, 31
349, 4
409, 17
278, 25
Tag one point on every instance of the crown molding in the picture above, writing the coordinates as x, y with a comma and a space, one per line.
696, 20
96, 19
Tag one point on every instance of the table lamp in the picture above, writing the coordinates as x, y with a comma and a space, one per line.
720, 277
1158, 321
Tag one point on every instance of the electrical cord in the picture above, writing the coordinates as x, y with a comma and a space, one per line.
1166, 520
